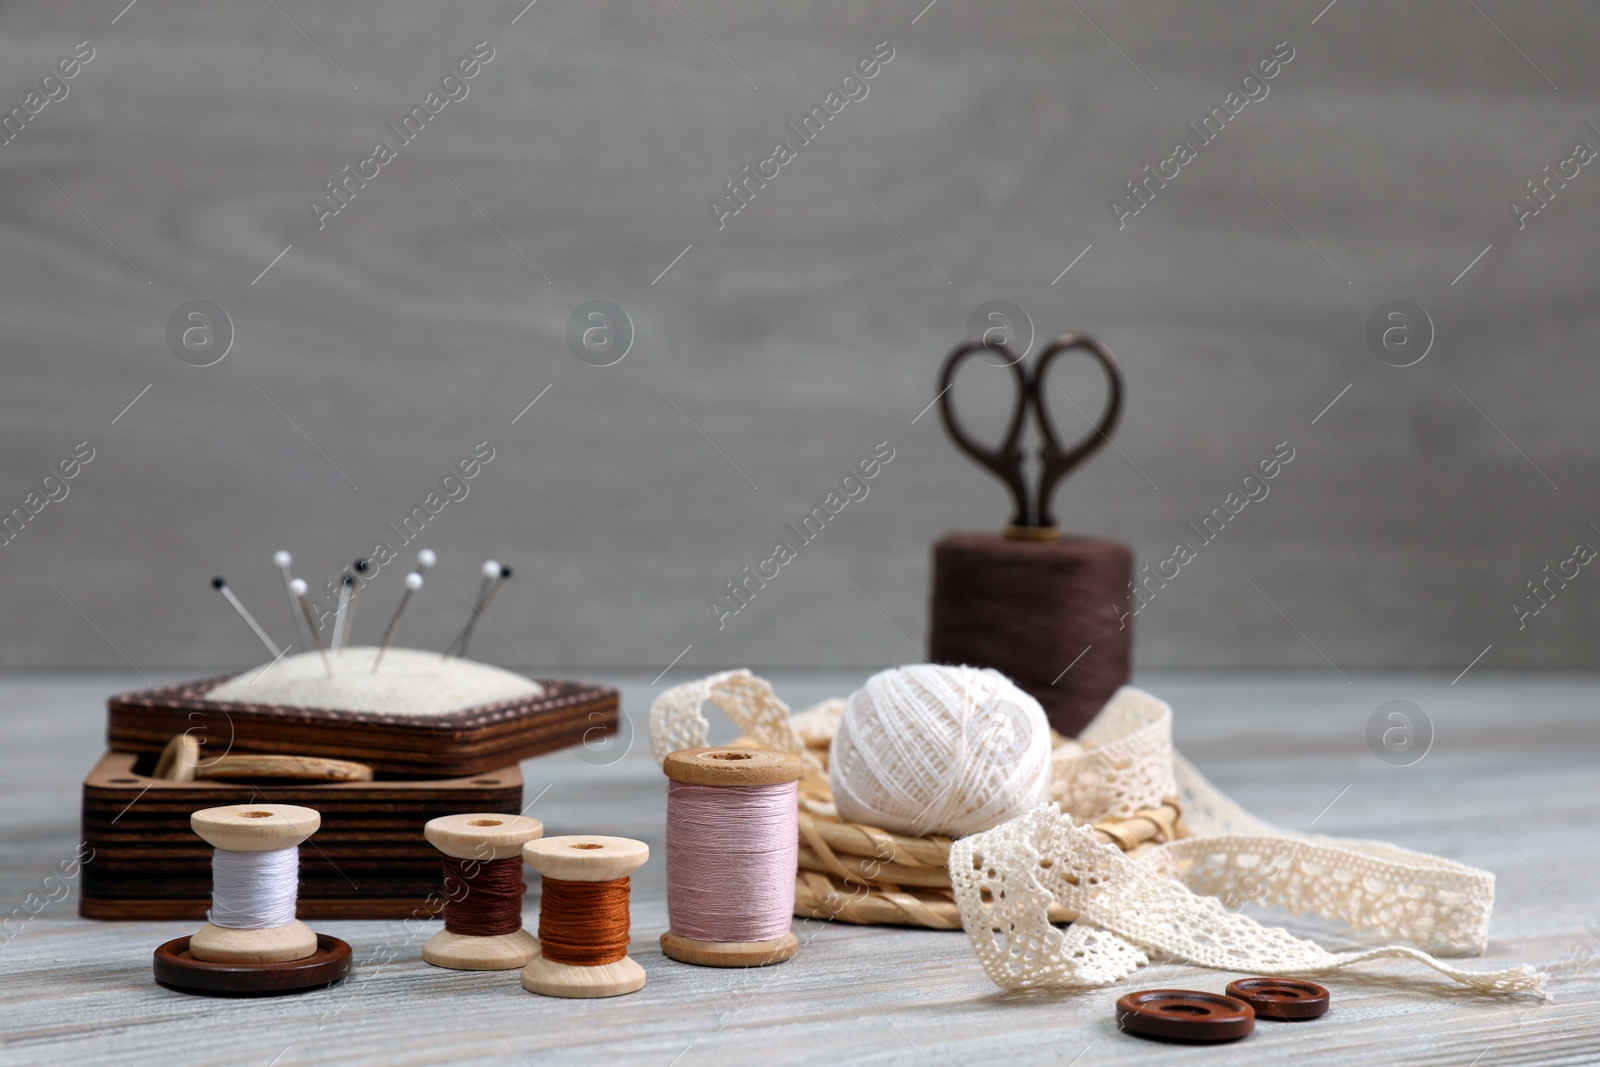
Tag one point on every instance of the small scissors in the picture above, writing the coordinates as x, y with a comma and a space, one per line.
1032, 520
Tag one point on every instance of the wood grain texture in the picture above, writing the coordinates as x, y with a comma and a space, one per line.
460, 743
731, 767
176, 966
242, 767
1512, 755
293, 940
802, 332
369, 860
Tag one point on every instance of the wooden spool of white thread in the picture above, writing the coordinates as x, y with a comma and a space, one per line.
254, 828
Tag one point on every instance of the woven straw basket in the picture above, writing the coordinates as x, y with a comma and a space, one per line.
863, 874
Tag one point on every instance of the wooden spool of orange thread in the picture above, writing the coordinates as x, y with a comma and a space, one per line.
583, 916
477, 841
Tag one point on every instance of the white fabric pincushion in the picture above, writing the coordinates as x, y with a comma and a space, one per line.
409, 682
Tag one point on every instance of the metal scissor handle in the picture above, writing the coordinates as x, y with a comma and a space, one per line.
1058, 463
1005, 459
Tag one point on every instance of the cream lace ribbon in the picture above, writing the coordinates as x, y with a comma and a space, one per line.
1175, 900
676, 722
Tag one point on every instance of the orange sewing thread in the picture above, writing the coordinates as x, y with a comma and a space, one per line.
584, 923
583, 916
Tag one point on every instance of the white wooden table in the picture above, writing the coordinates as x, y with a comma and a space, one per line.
1510, 784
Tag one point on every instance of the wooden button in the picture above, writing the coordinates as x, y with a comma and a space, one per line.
176, 968
1281, 998
1185, 1015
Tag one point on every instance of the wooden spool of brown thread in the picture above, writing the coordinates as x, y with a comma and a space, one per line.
1038, 607
583, 916
483, 891
1031, 609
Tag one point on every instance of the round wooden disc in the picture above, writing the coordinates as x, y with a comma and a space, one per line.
729, 953
255, 827
1281, 998
552, 979
307, 768
732, 766
176, 969
586, 857
179, 759
1185, 1015
277, 944
466, 952
482, 836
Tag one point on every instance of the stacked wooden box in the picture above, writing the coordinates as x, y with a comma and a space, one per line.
369, 860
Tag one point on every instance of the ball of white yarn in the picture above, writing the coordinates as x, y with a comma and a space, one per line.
928, 749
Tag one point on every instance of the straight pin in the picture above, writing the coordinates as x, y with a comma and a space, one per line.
281, 560
297, 589
221, 586
336, 642
413, 583
505, 573
362, 566
491, 575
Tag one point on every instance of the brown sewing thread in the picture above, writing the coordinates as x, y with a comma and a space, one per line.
483, 898
1028, 609
584, 923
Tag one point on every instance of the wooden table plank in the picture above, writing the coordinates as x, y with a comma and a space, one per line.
1508, 785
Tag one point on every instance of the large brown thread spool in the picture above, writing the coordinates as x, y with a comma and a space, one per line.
483, 891
732, 854
1044, 613
583, 916
1036, 606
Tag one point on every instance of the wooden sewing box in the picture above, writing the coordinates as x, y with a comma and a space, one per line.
369, 860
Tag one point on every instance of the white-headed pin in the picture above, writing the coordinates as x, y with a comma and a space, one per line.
281, 560
297, 589
413, 583
494, 575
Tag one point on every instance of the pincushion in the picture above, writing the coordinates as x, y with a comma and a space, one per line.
411, 682
419, 715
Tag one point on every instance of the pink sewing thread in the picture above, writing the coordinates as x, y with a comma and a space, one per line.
732, 853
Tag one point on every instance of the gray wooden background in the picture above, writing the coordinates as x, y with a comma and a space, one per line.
778, 351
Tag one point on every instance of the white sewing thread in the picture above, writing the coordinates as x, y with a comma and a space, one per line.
254, 890
944, 750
